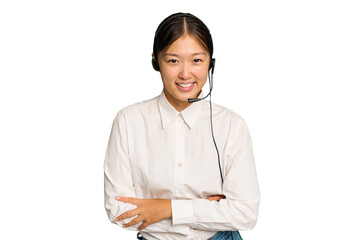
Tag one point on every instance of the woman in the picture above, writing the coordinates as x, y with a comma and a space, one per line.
165, 174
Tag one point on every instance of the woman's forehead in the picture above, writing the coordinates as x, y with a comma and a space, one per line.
185, 45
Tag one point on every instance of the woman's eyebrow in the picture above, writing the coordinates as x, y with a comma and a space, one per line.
175, 55
170, 54
199, 53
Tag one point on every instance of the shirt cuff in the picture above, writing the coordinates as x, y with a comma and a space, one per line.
182, 211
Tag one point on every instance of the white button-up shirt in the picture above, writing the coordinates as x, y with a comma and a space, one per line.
155, 151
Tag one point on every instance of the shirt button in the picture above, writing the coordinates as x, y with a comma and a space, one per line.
179, 164
179, 134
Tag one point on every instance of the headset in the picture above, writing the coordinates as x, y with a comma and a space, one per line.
156, 67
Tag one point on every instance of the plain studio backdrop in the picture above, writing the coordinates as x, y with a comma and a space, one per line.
289, 68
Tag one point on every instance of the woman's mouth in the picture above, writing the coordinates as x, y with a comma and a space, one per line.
185, 86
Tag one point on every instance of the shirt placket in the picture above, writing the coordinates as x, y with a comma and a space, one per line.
179, 157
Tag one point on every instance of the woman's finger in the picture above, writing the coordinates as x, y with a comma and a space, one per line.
127, 200
143, 225
128, 214
133, 222
215, 198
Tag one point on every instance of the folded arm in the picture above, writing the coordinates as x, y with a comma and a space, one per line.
239, 211
118, 182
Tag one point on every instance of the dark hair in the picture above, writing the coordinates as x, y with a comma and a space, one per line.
175, 26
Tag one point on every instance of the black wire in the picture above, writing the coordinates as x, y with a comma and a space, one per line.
212, 133
212, 130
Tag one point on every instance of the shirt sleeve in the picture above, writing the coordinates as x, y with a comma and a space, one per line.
118, 181
239, 211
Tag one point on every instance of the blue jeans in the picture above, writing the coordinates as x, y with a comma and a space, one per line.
227, 235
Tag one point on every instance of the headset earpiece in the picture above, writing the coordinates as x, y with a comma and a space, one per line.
155, 64
212, 65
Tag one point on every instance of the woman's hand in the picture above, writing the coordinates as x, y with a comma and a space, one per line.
149, 211
215, 197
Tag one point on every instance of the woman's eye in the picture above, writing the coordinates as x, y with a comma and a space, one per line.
197, 60
172, 61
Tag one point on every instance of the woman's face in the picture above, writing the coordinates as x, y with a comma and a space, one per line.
183, 67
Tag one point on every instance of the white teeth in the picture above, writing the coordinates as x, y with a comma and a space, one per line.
185, 85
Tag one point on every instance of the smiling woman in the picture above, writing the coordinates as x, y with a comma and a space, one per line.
161, 168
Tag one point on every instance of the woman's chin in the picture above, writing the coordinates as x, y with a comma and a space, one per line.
186, 98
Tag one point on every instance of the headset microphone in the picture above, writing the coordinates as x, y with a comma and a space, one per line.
191, 100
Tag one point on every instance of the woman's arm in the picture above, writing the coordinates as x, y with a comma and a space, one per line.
118, 181
150, 211
239, 210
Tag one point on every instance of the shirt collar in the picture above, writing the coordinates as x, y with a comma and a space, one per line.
168, 112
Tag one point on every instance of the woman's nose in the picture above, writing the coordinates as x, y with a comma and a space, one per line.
185, 71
